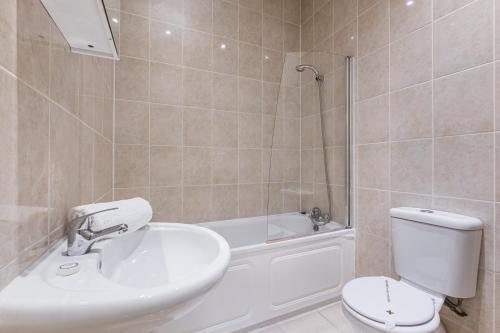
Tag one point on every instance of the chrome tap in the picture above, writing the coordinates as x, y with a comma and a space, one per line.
81, 237
318, 219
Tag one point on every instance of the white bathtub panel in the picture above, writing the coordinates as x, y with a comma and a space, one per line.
245, 296
305, 274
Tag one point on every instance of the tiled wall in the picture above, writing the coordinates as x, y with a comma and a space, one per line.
56, 125
426, 129
196, 93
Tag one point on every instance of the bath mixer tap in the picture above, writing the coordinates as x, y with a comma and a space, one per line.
81, 237
318, 219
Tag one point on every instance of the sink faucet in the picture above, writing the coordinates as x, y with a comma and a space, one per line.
81, 237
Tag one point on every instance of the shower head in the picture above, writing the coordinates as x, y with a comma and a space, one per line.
300, 68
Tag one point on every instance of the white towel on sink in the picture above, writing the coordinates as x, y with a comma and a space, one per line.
135, 213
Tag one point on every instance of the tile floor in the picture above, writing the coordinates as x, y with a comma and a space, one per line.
327, 319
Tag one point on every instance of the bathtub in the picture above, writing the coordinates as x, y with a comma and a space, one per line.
275, 270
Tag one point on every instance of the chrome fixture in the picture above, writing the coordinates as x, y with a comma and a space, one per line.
81, 237
318, 219
349, 63
300, 68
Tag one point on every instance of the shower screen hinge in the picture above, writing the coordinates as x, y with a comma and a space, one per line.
456, 307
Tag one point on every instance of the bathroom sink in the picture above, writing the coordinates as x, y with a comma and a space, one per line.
133, 283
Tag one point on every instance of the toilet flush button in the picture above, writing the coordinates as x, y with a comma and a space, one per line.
68, 269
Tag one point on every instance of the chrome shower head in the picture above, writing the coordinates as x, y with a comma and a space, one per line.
300, 68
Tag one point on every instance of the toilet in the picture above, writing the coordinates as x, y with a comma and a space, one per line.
436, 254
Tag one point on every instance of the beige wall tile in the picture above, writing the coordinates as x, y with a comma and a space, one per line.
166, 125
64, 165
307, 36
225, 92
132, 79
197, 49
197, 127
250, 130
272, 100
64, 78
225, 19
250, 61
103, 167
411, 166
165, 84
196, 203
224, 166
373, 165
273, 8
250, 200
167, 204
139, 7
249, 96
166, 166
463, 102
272, 66
168, 10
8, 26
165, 43
497, 167
131, 122
131, 165
444, 7
225, 55
224, 202
464, 166
250, 26
373, 120
373, 212
129, 193
292, 37
306, 10
291, 11
373, 75
134, 36
411, 59
225, 129
374, 28
250, 166
196, 166
344, 13
345, 43
197, 88
272, 33
323, 23
411, 113
464, 38
407, 17
198, 14
372, 255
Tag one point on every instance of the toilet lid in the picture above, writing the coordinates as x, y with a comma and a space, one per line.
383, 299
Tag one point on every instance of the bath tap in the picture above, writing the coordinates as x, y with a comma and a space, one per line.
81, 237
318, 219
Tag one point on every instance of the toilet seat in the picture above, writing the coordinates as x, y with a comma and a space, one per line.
389, 305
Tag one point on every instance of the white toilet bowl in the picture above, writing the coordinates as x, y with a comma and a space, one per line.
382, 304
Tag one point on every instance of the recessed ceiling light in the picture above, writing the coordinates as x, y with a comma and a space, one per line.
222, 46
115, 20
168, 32
410, 3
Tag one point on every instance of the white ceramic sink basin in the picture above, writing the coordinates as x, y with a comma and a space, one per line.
130, 284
